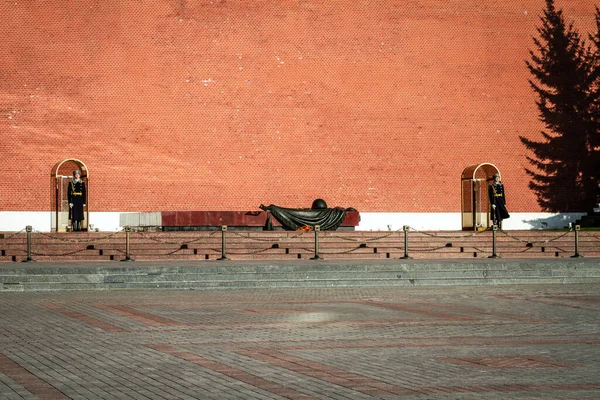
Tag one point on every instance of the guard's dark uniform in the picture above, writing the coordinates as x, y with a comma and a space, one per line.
77, 196
498, 198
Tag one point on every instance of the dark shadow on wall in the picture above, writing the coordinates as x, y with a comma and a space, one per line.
565, 78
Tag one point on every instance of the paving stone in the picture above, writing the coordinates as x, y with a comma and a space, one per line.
441, 342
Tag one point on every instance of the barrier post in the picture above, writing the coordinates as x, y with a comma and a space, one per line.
127, 244
223, 230
494, 230
28, 229
405, 228
317, 230
577, 255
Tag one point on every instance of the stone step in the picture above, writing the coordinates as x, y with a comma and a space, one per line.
587, 237
248, 284
276, 239
305, 254
234, 267
358, 235
308, 273
294, 276
292, 247
289, 245
301, 252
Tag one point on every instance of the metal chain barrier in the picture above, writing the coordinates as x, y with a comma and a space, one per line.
338, 252
275, 242
494, 230
29, 252
480, 250
168, 242
576, 255
28, 228
70, 253
406, 228
426, 250
367, 239
14, 234
447, 236
127, 245
223, 249
240, 253
223, 243
182, 244
268, 240
534, 241
9, 245
316, 256
108, 236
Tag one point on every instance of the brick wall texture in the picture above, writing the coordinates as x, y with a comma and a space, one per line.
224, 105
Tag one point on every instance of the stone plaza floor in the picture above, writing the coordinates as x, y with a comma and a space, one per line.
466, 342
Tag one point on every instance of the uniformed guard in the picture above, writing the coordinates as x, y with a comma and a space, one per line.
77, 199
497, 200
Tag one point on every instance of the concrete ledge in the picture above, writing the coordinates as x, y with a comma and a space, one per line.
300, 273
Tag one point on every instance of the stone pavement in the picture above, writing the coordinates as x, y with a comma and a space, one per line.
494, 342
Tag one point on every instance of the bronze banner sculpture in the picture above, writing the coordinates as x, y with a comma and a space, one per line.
301, 218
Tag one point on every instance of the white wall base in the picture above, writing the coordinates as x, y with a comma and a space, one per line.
14, 221
452, 221
105, 221
418, 221
521, 221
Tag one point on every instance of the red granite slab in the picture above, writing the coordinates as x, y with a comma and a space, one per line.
169, 218
231, 218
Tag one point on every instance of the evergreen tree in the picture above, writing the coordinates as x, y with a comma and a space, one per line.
595, 112
595, 38
564, 75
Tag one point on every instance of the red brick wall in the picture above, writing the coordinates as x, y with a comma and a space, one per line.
224, 105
